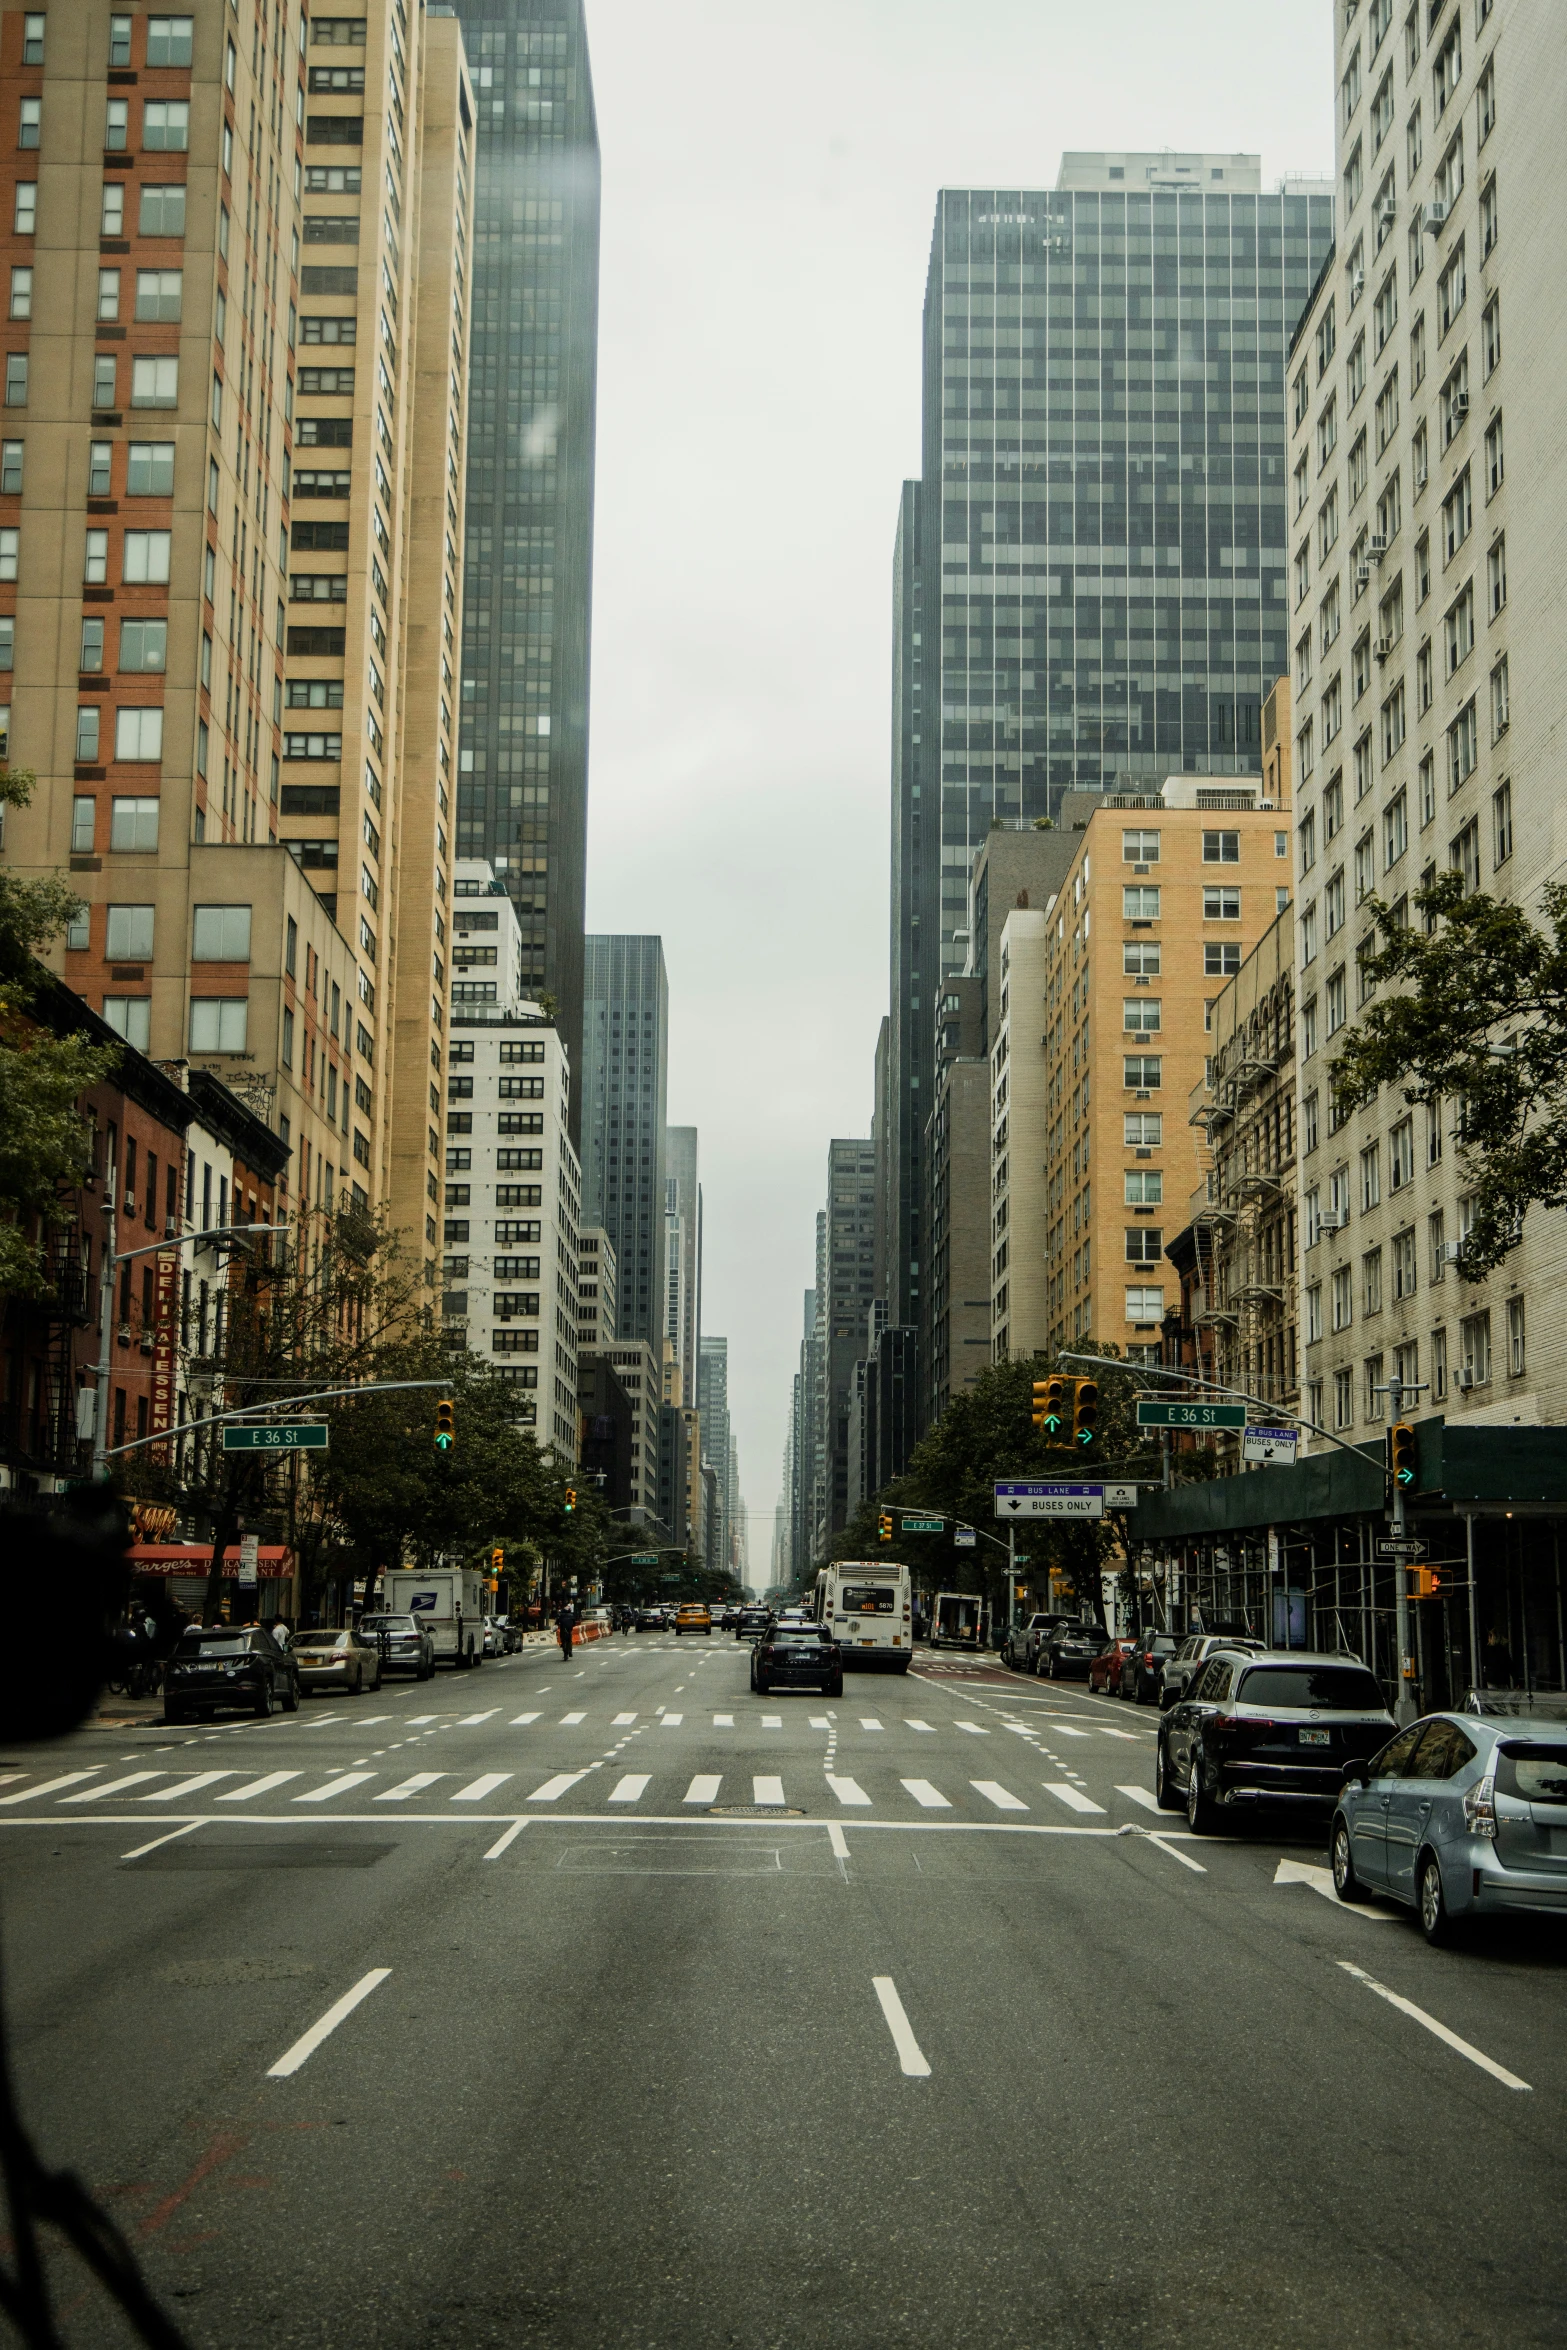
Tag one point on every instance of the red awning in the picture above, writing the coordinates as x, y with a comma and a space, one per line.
274, 1560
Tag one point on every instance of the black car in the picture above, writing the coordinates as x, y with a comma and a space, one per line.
650, 1619
406, 1647
752, 1622
219, 1669
1069, 1648
1141, 1672
1277, 1728
797, 1656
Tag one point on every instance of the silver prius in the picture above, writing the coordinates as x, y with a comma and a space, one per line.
1461, 1817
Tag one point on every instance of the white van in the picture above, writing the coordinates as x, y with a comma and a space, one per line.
449, 1603
868, 1606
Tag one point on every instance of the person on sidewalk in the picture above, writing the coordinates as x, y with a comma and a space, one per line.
565, 1627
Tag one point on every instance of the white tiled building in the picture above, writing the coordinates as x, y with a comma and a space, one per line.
513, 1183
1428, 577
595, 1289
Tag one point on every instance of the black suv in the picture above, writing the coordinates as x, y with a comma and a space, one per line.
1279, 1727
1070, 1647
1141, 1671
792, 1656
218, 1668
752, 1622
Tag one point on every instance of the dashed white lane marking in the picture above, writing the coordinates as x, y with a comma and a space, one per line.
1060, 1730
567, 1718
306, 2046
167, 1838
767, 1791
1002, 1797
407, 1787
911, 2060
477, 1789
1071, 1796
914, 1725
1142, 1795
1106, 1731
837, 1840
847, 1790
1487, 2064
772, 1721
110, 1787
620, 1720
926, 1796
507, 1836
553, 1789
258, 1787
468, 1721
521, 1721
51, 1786
704, 1788
631, 1788
973, 1729
672, 1721
186, 1786
334, 1787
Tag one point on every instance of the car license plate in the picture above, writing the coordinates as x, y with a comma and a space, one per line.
1316, 1737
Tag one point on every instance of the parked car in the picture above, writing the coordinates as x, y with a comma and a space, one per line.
217, 1668
1069, 1648
1105, 1671
693, 1616
1462, 1817
1021, 1643
404, 1644
329, 1659
1181, 1669
752, 1622
1276, 1726
1140, 1674
795, 1656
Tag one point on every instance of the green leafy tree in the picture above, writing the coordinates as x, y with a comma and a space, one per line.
1479, 1021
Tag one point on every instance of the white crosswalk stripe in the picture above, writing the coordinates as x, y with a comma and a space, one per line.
772, 1721
570, 1718
723, 1721
477, 1789
553, 1789
672, 1721
334, 1787
258, 1787
521, 1721
621, 1720
926, 1796
704, 1788
914, 1725
869, 1722
1106, 1730
109, 1787
1072, 1797
767, 1791
413, 1786
1143, 1795
467, 1721
186, 1786
847, 1790
972, 1728
630, 1789
1002, 1797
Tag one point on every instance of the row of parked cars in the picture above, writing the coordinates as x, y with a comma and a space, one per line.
1147, 1667
266, 1668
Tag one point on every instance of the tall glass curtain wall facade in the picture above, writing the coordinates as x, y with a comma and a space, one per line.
625, 1090
522, 788
1090, 578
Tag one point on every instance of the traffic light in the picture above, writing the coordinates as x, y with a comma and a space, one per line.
1050, 1406
571, 1499
1427, 1583
884, 1526
1401, 1454
445, 1426
1085, 1412
497, 1561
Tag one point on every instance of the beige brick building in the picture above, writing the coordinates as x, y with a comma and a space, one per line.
1428, 518
235, 250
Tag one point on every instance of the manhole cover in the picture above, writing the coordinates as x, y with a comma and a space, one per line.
758, 1811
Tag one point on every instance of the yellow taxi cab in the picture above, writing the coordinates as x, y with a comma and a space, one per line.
693, 1617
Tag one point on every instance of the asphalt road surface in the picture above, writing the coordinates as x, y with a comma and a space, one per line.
607, 2004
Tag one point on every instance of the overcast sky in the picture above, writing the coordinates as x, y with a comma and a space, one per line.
770, 173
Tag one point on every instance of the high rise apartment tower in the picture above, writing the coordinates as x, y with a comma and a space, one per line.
625, 1085
524, 789
237, 257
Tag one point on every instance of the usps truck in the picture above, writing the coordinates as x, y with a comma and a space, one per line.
449, 1602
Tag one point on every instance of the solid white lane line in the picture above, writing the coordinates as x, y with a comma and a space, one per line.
507, 1836
1002, 1797
565, 1718
108, 1787
914, 1725
847, 1790
619, 1723
335, 1787
186, 1786
772, 1721
838, 1841
723, 1721
926, 1796
521, 1721
294, 2057
407, 1787
553, 1789
1142, 1795
477, 1789
1070, 1796
767, 1791
631, 1788
972, 1728
468, 1721
1487, 2064
165, 1839
909, 2056
672, 1721
1176, 1853
258, 1787
704, 1788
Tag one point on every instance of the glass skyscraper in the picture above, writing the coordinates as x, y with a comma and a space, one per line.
625, 1084
522, 789
1090, 574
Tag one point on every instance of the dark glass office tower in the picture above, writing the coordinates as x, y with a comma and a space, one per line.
1090, 576
523, 788
624, 1090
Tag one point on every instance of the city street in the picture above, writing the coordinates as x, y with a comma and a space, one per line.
605, 2003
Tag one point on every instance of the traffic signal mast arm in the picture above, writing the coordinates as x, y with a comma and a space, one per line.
274, 1403
1214, 1387
916, 1509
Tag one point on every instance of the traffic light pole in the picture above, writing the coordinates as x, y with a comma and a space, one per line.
1404, 1705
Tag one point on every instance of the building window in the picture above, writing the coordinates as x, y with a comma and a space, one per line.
1517, 1354
1502, 823
1500, 709
1221, 905
1438, 1365
1404, 1263
1462, 747
1343, 1399
1463, 854
218, 1024
1474, 1336
220, 934
1145, 1305
1495, 464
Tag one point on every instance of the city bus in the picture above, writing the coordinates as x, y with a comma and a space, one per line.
868, 1606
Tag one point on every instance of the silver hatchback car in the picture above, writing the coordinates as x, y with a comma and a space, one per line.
1462, 1817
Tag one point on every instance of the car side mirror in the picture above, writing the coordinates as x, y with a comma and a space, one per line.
1355, 1776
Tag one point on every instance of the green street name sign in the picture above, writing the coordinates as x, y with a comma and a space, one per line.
287, 1436
923, 1525
1191, 1415
644, 1558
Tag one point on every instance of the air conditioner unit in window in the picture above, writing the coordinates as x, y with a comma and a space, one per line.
1435, 214
1357, 286
1362, 575
1387, 212
1382, 647
1460, 406
128, 1204
1331, 1223
1448, 1253
1377, 545
1464, 1379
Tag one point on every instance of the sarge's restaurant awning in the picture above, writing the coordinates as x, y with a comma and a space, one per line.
275, 1562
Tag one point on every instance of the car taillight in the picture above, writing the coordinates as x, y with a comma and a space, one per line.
1480, 1807
768, 1649
1230, 1723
